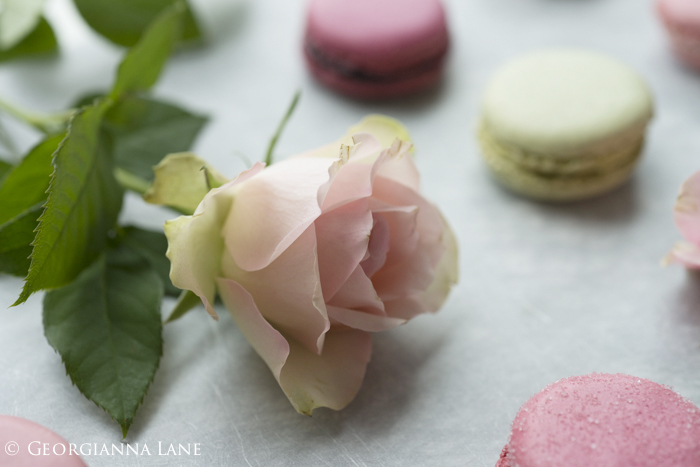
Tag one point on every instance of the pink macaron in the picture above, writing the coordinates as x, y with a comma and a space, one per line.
682, 20
376, 49
28, 444
604, 420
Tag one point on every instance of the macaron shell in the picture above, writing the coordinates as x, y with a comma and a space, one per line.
683, 16
682, 20
16, 435
563, 101
605, 420
378, 35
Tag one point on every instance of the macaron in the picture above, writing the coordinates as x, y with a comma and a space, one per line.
564, 124
604, 420
376, 49
28, 444
682, 21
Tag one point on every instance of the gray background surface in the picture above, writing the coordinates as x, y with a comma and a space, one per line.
546, 291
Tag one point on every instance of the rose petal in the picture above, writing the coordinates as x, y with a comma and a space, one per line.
446, 273
384, 129
399, 166
687, 209
195, 244
686, 254
358, 293
288, 291
378, 247
273, 209
363, 321
445, 276
429, 222
405, 308
342, 236
266, 340
409, 266
331, 379
352, 176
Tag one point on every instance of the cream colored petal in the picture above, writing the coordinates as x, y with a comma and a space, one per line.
684, 253
331, 379
446, 273
385, 129
687, 209
18, 18
195, 244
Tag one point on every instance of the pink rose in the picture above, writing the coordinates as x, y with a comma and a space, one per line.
687, 217
313, 253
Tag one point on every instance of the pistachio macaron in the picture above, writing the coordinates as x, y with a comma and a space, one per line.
564, 124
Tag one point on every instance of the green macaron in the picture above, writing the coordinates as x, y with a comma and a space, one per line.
564, 124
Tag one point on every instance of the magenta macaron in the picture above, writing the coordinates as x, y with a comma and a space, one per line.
28, 444
376, 49
604, 420
682, 20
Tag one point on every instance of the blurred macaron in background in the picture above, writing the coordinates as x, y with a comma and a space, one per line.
376, 49
564, 124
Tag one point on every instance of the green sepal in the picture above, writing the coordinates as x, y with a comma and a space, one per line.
181, 182
187, 301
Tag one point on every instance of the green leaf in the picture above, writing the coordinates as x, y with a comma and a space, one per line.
142, 131
83, 204
187, 301
124, 21
107, 328
142, 65
26, 185
152, 246
22, 197
41, 40
5, 169
16, 237
18, 18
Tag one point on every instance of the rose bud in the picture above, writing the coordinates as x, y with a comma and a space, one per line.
312, 254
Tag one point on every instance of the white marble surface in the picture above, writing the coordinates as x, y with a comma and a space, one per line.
546, 291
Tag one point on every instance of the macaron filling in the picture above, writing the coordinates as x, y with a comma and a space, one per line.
350, 71
561, 178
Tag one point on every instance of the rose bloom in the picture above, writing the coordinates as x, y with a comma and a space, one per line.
687, 216
314, 253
